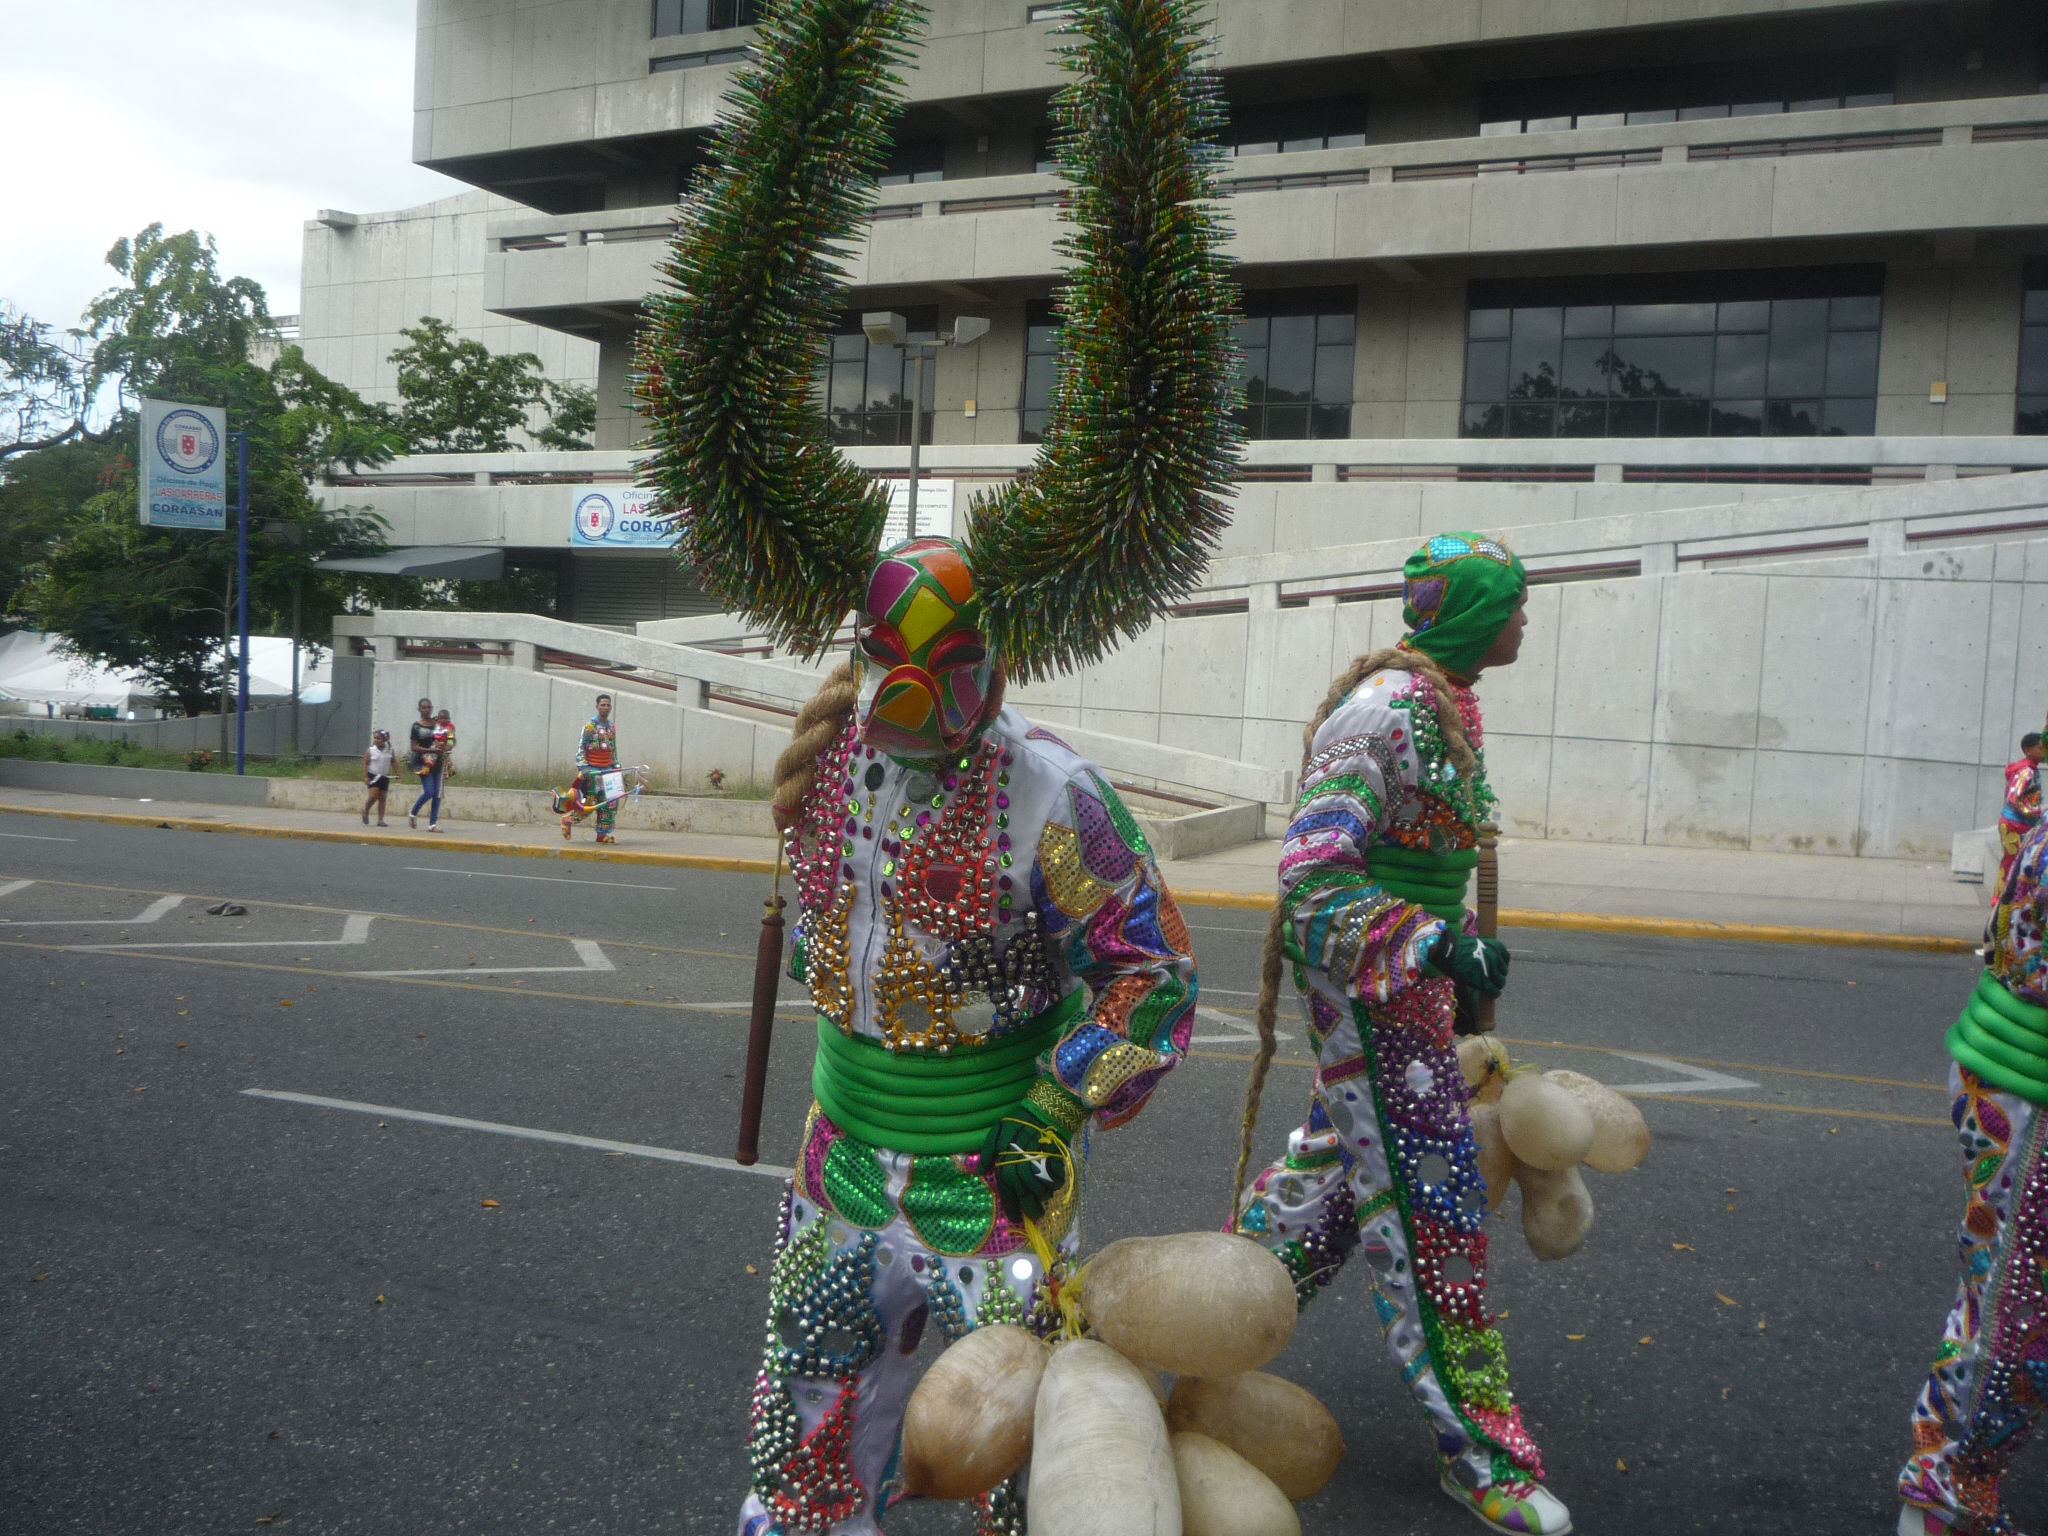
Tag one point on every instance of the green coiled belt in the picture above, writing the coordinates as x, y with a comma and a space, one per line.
2003, 1039
1433, 881
920, 1101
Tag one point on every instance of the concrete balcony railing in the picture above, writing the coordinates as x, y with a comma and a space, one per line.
1922, 167
1291, 495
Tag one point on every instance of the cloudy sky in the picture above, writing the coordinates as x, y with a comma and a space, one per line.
239, 117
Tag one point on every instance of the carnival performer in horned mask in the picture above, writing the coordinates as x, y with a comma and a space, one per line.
1372, 916
995, 963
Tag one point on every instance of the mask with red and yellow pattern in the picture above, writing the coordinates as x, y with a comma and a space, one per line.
924, 670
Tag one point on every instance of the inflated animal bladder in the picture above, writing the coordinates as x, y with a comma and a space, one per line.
1281, 1429
1194, 1303
1557, 1213
1496, 1162
1621, 1138
968, 1425
1546, 1126
1222, 1494
1101, 1464
1483, 1063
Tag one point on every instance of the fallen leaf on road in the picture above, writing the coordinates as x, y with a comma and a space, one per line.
1620, 1465
181, 1045
1726, 1390
490, 1205
1646, 1339
1761, 1325
1731, 1190
143, 1089
1726, 1301
1682, 1247
1731, 1207
284, 1002
1575, 1336
380, 1298
46, 1274
182, 1012
750, 1270
1500, 1314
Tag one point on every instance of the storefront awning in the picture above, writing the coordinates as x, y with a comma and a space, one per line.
449, 562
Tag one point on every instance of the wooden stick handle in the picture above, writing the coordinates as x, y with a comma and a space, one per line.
1487, 906
760, 1029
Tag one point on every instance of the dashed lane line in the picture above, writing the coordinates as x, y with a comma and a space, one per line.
356, 931
11, 886
30, 837
588, 952
150, 914
524, 1132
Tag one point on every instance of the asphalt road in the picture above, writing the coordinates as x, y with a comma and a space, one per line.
220, 1310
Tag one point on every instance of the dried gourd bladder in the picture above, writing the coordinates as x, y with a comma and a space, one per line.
1222, 1494
1557, 1213
1278, 1427
1194, 1303
1621, 1138
968, 1425
1101, 1464
1483, 1062
1545, 1125
1496, 1162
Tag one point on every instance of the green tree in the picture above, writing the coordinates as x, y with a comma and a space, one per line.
44, 385
154, 600
458, 396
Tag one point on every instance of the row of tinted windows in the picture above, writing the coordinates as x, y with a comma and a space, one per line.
2032, 417
1809, 83
672, 18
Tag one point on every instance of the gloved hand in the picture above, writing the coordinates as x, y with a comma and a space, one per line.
1029, 1159
1471, 960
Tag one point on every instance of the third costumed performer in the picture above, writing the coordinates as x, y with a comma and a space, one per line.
1372, 917
994, 961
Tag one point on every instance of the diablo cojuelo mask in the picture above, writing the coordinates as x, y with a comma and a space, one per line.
920, 660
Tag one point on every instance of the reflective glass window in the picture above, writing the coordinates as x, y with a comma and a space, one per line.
864, 390
1041, 349
2032, 415
1774, 353
672, 18
1298, 346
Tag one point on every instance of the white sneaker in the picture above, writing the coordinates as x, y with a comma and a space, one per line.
1520, 1508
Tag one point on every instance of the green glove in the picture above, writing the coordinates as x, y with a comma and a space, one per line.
1029, 1159
1473, 961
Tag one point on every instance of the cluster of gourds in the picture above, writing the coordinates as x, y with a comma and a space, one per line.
1111, 1453
1536, 1129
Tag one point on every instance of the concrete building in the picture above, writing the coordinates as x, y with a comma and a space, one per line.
1512, 266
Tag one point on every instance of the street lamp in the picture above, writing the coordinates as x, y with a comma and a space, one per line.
885, 328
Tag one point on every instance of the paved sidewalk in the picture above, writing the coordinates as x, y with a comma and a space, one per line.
1556, 879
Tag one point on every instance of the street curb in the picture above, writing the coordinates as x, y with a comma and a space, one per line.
1510, 917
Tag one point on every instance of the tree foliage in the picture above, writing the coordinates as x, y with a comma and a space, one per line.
44, 385
151, 599
458, 396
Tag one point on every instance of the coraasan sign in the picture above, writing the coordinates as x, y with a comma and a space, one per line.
183, 467
624, 518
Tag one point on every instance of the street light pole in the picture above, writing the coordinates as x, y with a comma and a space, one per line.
241, 441
885, 328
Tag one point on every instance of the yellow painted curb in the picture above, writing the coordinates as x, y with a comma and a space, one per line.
1510, 917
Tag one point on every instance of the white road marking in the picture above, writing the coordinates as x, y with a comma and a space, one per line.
1691, 1079
587, 950
15, 885
488, 874
150, 914
355, 931
30, 837
527, 1133
1241, 1031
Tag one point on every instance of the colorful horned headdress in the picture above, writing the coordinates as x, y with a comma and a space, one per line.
1116, 518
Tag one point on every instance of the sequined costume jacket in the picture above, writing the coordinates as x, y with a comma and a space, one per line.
599, 746
2017, 935
942, 911
1380, 775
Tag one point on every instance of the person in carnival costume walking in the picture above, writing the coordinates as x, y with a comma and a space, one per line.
1989, 1380
1389, 964
995, 963
597, 754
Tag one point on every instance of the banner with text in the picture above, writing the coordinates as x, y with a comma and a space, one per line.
934, 510
618, 517
183, 466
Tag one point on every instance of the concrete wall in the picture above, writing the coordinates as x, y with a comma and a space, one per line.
361, 286
509, 720
1861, 706
338, 728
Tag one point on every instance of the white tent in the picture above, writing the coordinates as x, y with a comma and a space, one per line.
34, 670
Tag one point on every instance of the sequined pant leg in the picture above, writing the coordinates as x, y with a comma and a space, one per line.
1386, 1164
607, 812
1986, 1388
848, 1306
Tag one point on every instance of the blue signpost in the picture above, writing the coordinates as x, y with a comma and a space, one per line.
241, 442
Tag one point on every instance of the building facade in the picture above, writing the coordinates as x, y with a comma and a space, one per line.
1531, 266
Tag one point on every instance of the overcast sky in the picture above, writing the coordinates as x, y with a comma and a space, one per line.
238, 117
